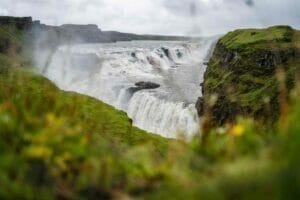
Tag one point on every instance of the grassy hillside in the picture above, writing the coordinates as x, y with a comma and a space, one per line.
60, 140
64, 137
61, 145
253, 39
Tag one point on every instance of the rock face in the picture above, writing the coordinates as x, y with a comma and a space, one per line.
57, 34
71, 33
8, 26
81, 33
241, 75
118, 36
20, 22
4, 45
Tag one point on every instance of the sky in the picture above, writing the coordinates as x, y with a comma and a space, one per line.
168, 17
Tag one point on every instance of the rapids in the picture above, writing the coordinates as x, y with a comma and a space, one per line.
110, 72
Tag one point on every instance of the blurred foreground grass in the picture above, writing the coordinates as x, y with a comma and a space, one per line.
61, 145
54, 137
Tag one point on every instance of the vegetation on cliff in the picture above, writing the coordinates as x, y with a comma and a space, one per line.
61, 145
242, 74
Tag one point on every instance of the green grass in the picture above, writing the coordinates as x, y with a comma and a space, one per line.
38, 97
282, 36
60, 131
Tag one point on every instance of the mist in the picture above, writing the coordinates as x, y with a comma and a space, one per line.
170, 17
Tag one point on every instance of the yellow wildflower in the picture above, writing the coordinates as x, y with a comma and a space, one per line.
238, 130
39, 152
50, 118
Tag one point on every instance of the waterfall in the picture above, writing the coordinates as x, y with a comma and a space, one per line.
110, 72
156, 115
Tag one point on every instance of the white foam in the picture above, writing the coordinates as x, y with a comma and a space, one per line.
107, 71
160, 116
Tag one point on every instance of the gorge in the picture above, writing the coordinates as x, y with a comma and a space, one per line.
155, 79
155, 82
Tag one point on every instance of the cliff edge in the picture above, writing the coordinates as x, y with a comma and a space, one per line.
242, 75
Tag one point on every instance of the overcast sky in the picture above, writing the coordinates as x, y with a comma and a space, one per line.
172, 17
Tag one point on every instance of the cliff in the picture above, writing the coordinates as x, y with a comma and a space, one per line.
68, 34
242, 76
72, 33
83, 33
19, 22
118, 36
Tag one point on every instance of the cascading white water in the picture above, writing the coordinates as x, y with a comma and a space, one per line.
109, 72
161, 116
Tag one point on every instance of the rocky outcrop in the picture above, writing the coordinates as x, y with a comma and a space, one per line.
143, 86
20, 22
240, 79
147, 85
9, 42
166, 52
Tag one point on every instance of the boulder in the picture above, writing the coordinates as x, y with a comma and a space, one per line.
147, 85
143, 86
